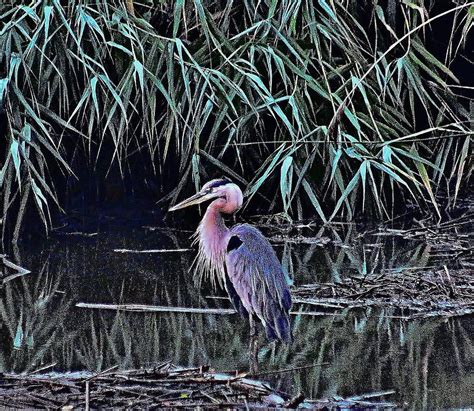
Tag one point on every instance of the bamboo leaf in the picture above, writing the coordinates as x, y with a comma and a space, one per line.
139, 70
39, 196
426, 182
14, 151
348, 190
3, 90
314, 200
462, 162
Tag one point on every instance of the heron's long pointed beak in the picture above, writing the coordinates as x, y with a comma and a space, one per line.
195, 199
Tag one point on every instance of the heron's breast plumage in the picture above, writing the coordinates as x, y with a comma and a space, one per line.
213, 236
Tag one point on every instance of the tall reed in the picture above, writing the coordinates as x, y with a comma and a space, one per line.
325, 108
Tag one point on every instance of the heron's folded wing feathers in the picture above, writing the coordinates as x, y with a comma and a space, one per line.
234, 297
258, 279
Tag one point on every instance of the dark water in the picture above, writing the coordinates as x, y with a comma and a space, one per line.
429, 363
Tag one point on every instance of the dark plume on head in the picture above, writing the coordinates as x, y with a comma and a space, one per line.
217, 183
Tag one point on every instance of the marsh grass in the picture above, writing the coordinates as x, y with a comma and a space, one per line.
329, 108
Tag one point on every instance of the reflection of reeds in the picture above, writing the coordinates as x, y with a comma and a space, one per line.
33, 310
360, 350
182, 338
357, 350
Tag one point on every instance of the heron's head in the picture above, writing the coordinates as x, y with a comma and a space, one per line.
227, 196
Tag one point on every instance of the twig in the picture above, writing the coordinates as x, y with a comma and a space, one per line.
371, 395
102, 373
42, 369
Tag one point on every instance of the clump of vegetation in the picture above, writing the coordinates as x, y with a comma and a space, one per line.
340, 108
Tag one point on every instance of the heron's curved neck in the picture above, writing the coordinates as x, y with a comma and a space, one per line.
213, 237
213, 232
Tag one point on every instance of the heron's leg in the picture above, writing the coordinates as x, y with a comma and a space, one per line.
253, 348
253, 326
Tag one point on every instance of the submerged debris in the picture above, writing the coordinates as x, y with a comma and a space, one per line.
164, 386
357, 401
300, 239
422, 293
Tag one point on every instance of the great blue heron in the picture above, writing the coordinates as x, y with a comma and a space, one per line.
242, 260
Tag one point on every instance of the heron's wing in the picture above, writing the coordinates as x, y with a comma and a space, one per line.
234, 297
258, 279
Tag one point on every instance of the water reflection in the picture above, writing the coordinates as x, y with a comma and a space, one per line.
428, 362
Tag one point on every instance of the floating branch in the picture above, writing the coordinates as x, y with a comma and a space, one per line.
156, 308
78, 233
186, 310
176, 250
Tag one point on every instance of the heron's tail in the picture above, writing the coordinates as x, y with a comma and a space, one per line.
280, 329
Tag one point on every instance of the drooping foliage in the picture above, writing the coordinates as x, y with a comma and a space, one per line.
326, 108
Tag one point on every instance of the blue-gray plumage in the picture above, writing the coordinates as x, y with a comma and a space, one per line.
242, 260
258, 279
